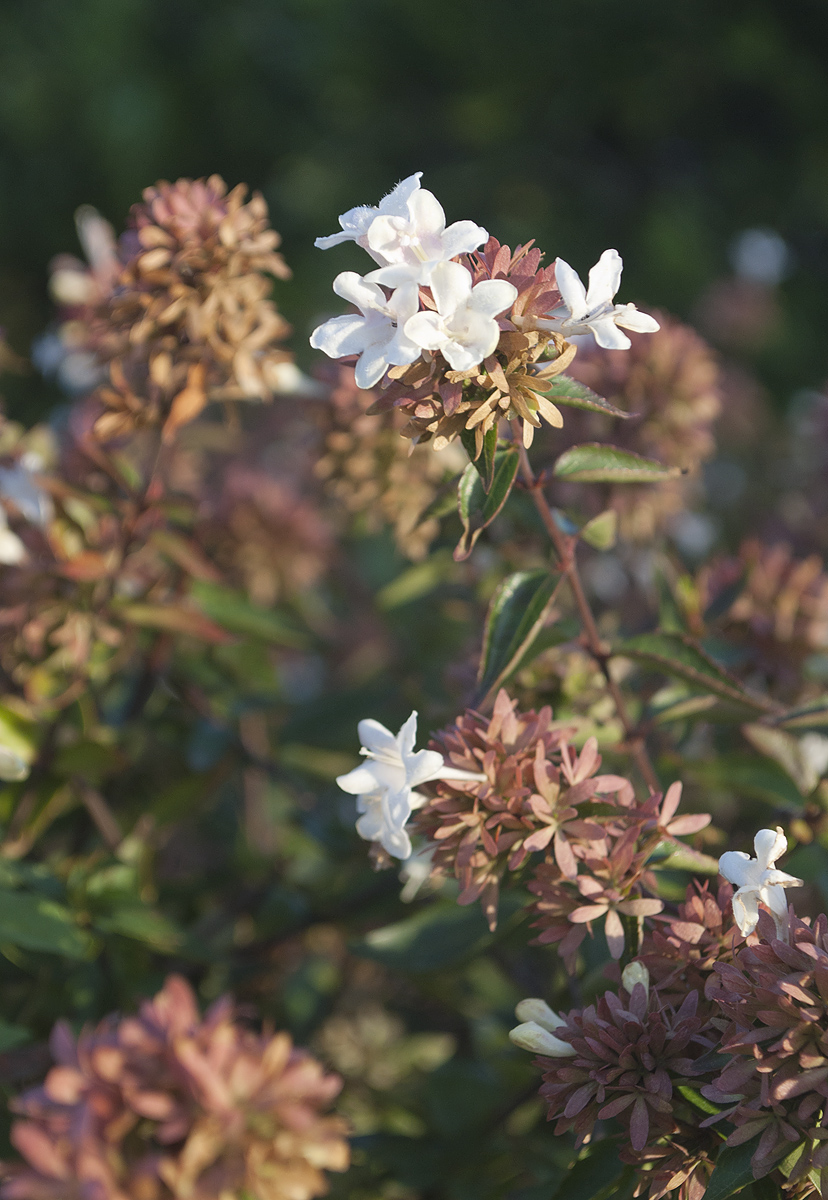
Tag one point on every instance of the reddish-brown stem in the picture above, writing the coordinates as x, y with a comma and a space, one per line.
565, 549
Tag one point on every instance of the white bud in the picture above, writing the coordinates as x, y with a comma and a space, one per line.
530, 1036
539, 1012
633, 973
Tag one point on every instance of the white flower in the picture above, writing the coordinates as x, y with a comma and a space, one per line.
758, 879
406, 234
536, 1032
415, 871
18, 484
384, 785
464, 328
377, 335
12, 550
357, 221
593, 311
12, 767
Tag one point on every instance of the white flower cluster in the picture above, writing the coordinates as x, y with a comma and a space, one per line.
384, 784
406, 235
759, 879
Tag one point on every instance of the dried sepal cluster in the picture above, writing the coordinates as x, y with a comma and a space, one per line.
179, 312
167, 1104
542, 796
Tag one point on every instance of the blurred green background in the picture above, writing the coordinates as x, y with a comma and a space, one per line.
662, 129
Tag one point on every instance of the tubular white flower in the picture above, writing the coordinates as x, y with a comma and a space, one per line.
463, 328
533, 1037
384, 784
757, 879
593, 311
12, 550
377, 336
633, 973
539, 1013
357, 221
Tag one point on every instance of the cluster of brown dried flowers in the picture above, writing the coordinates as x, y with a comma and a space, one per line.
178, 311
168, 1104
541, 796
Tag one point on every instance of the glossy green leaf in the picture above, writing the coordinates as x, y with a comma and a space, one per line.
476, 508
517, 613
593, 1173
597, 462
37, 923
484, 461
143, 925
602, 531
678, 655
571, 393
757, 778
813, 716
437, 936
732, 1171
234, 612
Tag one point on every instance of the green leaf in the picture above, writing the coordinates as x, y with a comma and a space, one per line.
784, 749
695, 1098
516, 615
758, 778
571, 393
233, 611
591, 1174
437, 936
598, 462
12, 1035
678, 655
808, 716
417, 580
732, 1171
601, 531
37, 923
143, 925
476, 508
484, 461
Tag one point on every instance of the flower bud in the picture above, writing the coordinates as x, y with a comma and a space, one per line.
530, 1036
633, 973
540, 1013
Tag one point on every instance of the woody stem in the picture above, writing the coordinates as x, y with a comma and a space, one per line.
565, 549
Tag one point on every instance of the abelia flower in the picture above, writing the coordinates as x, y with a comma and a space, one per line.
357, 221
631, 1051
12, 549
384, 784
757, 880
377, 335
166, 1103
463, 328
775, 1085
593, 311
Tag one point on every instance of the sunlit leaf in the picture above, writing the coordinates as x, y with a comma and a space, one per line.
234, 612
571, 393
601, 531
732, 1171
517, 613
37, 923
476, 508
678, 655
597, 462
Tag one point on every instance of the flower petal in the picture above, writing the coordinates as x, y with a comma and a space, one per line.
631, 318
746, 909
608, 335
426, 214
451, 286
604, 279
573, 292
462, 237
769, 845
368, 297
423, 766
371, 367
493, 296
396, 203
739, 868
426, 330
340, 336
359, 782
376, 738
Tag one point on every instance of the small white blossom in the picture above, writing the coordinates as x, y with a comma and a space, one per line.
415, 872
12, 550
536, 1033
463, 328
377, 335
758, 879
384, 784
406, 234
633, 973
18, 484
594, 311
357, 221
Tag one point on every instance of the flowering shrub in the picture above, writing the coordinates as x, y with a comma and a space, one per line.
202, 597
